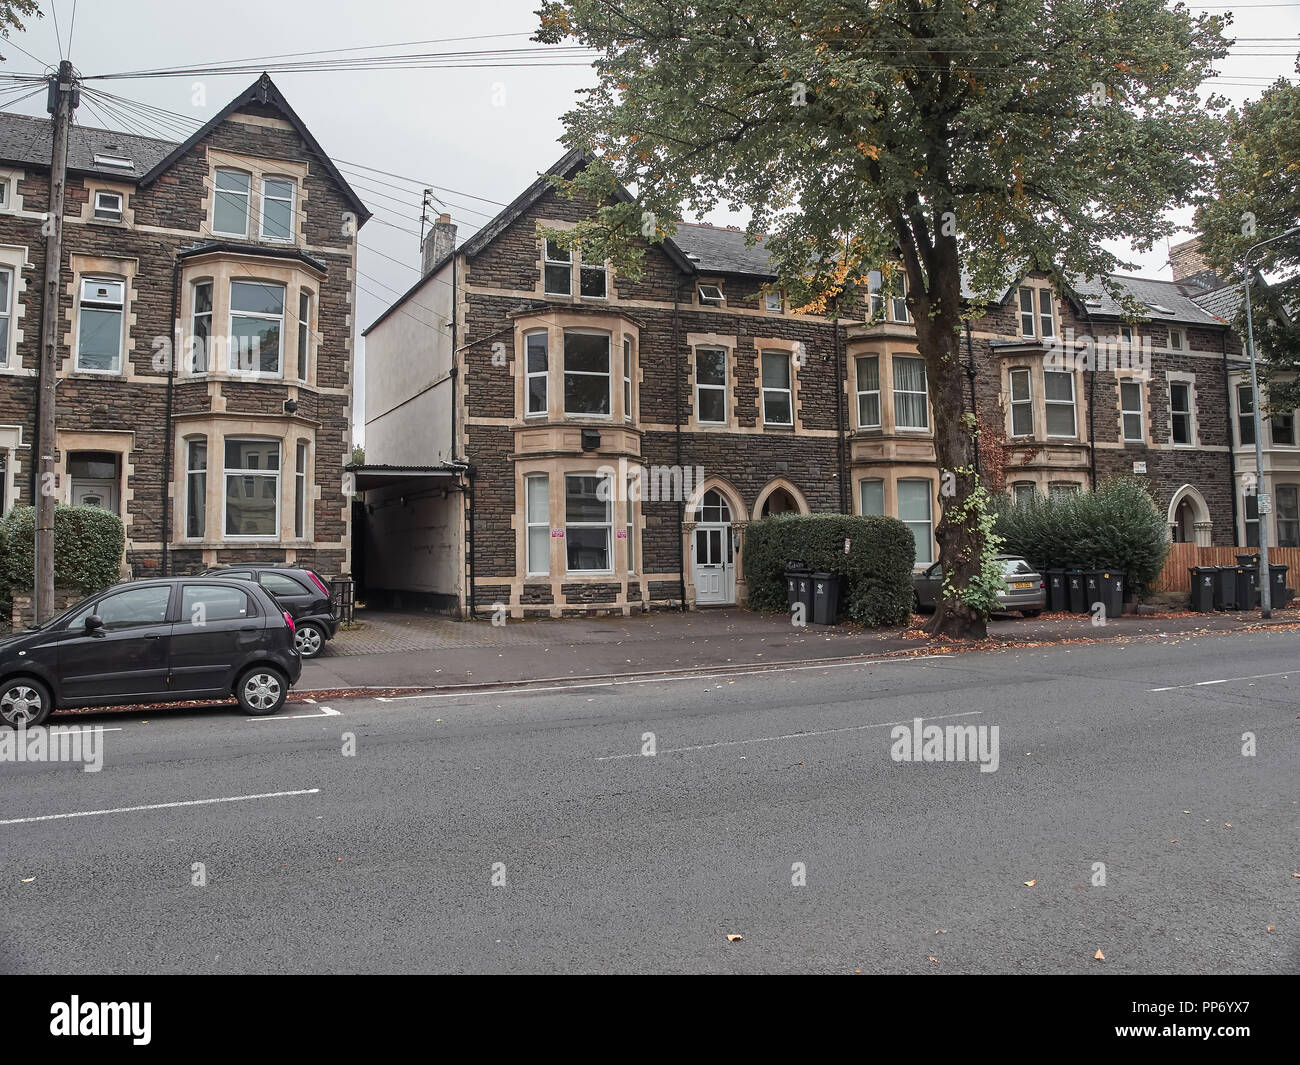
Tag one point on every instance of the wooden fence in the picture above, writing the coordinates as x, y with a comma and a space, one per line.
1175, 578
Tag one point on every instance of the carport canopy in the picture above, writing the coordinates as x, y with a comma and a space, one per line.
376, 475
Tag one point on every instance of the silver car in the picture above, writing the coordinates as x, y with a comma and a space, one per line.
1024, 588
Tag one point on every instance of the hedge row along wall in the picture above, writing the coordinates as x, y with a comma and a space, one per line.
88, 544
875, 572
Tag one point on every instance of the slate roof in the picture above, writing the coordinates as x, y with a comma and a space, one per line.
1221, 302
1166, 301
26, 141
717, 250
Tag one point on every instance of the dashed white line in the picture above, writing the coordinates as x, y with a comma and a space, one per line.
159, 806
1224, 680
786, 736
325, 712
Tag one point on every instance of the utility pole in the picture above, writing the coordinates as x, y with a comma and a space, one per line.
60, 103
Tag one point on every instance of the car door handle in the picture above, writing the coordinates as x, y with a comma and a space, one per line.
247, 628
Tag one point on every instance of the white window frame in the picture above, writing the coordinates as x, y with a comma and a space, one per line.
925, 405
788, 389
769, 298
627, 379
862, 497
191, 472
1125, 412
531, 482
1276, 420
928, 522
607, 524
724, 388
1189, 414
544, 374
301, 457
1278, 489
1072, 403
1028, 316
304, 334
101, 213
898, 311
102, 305
283, 179
1057, 489
4, 193
191, 365
864, 392
1021, 488
630, 539
608, 375
1046, 314
603, 270
7, 316
246, 195
227, 473
549, 260
232, 356
876, 293
1026, 402
1245, 415
713, 297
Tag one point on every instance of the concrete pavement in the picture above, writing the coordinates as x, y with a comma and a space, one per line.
1127, 754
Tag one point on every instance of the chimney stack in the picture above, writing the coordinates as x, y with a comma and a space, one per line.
438, 243
1187, 260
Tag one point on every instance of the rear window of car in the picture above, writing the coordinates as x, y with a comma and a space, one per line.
282, 584
201, 603
1012, 567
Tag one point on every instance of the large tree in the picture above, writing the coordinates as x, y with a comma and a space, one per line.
1254, 196
944, 136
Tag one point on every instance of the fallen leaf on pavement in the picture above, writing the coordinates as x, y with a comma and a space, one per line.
1100, 956
29, 880
733, 938
1030, 883
934, 959
1271, 927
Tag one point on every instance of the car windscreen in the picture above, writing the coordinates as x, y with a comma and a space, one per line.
1013, 567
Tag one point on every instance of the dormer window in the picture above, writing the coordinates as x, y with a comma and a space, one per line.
277, 208
108, 206
231, 201
711, 295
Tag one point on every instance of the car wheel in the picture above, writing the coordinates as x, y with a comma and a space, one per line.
309, 638
261, 690
25, 702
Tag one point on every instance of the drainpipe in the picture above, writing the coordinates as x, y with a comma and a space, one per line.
1232, 436
677, 417
841, 385
168, 427
1092, 385
970, 375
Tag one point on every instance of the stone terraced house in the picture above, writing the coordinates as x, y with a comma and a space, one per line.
240, 243
515, 390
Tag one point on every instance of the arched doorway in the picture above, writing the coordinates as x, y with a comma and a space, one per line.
713, 555
780, 497
1189, 517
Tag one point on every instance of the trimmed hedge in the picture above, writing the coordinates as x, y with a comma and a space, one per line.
88, 545
1118, 527
875, 573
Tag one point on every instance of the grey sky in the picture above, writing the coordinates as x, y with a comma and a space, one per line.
483, 131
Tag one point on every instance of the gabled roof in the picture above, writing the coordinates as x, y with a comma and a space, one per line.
1165, 301
566, 166
723, 250
262, 92
26, 140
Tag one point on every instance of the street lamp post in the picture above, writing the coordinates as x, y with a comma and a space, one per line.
1264, 505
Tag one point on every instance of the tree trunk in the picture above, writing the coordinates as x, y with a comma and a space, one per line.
961, 541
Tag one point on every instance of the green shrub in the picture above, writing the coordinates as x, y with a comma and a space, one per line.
875, 573
88, 546
1119, 526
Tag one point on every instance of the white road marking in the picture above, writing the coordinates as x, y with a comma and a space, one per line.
325, 712
786, 736
159, 806
657, 679
1225, 680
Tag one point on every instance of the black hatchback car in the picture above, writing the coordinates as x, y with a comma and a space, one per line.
298, 590
153, 641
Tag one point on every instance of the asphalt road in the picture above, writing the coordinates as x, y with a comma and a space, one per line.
614, 861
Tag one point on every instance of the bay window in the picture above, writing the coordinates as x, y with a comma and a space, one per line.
1058, 391
537, 520
627, 379
201, 329
304, 332
868, 376
586, 374
778, 398
911, 408
252, 489
6, 312
196, 487
256, 327
587, 523
1022, 403
915, 511
871, 498
536, 374
300, 490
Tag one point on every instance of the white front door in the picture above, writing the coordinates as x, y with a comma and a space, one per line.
102, 494
713, 564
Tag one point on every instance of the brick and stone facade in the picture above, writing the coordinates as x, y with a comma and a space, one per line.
153, 260
805, 414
